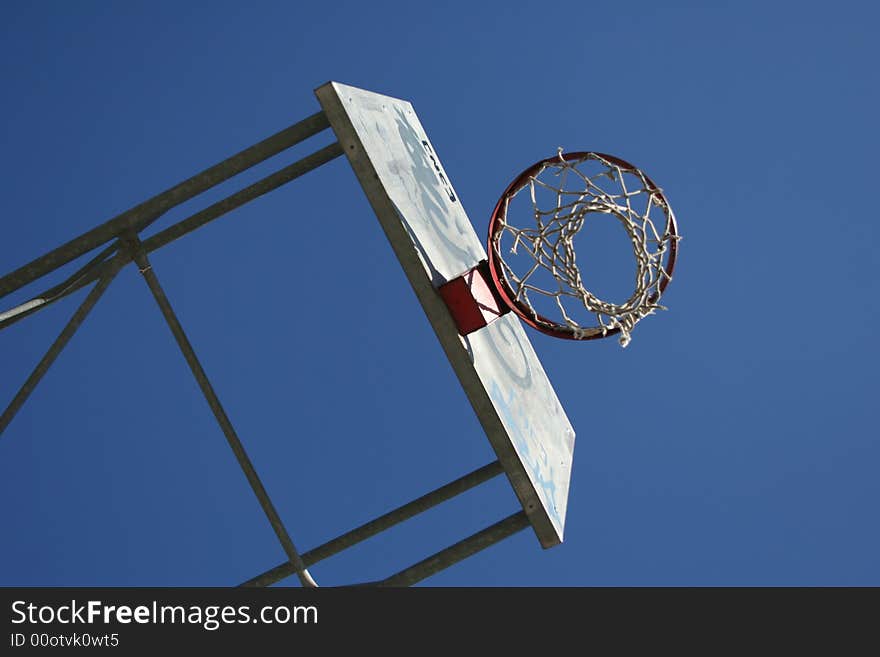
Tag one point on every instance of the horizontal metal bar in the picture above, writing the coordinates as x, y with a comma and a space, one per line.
140, 216
60, 342
381, 523
247, 194
94, 269
458, 552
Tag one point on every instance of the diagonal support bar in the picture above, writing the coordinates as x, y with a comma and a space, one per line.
460, 551
140, 257
61, 341
96, 267
141, 216
381, 523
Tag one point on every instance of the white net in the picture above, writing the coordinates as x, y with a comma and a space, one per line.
564, 194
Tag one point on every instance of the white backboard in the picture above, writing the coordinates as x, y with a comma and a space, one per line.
433, 238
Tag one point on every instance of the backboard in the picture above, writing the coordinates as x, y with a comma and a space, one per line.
432, 236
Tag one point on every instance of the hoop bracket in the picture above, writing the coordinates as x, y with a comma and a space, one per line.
472, 299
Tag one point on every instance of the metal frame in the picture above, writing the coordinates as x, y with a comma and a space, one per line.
122, 245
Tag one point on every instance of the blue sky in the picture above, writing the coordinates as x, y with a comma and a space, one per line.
732, 443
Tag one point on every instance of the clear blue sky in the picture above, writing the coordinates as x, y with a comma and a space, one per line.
734, 442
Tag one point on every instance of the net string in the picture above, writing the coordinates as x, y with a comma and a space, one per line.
551, 243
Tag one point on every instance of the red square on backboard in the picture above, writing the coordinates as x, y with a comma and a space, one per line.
471, 300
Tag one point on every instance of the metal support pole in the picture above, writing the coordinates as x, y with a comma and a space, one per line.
89, 272
140, 216
381, 523
246, 195
61, 341
140, 257
458, 552
93, 269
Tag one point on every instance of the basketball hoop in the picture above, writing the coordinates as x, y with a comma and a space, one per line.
532, 259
